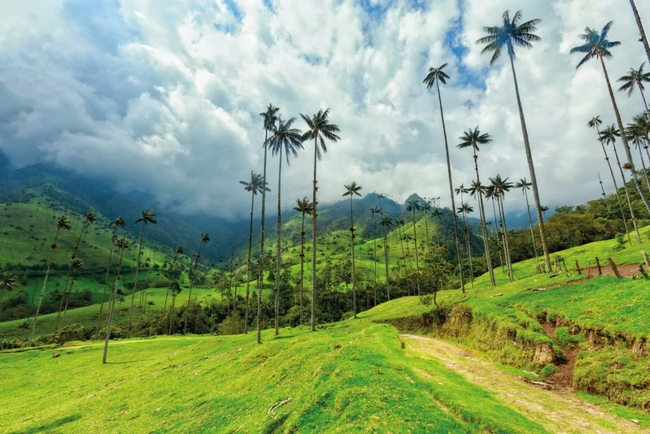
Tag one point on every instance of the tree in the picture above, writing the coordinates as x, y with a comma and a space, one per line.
89, 218
472, 139
510, 35
386, 223
8, 283
117, 223
524, 185
147, 217
635, 78
639, 23
436, 76
637, 135
597, 46
205, 238
400, 223
499, 188
288, 140
465, 209
257, 184
412, 206
319, 129
352, 190
304, 207
608, 136
595, 123
270, 118
63, 222
375, 211
173, 276
122, 244
426, 211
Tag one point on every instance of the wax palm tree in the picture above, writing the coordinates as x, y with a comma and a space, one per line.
77, 264
635, 79
205, 239
500, 187
597, 46
509, 35
595, 123
426, 211
148, 217
412, 206
641, 124
8, 283
352, 190
116, 224
608, 136
386, 223
288, 140
644, 38
465, 209
399, 222
63, 222
257, 184
270, 118
437, 76
488, 193
177, 252
89, 218
122, 244
472, 139
374, 211
525, 186
319, 129
304, 207
637, 136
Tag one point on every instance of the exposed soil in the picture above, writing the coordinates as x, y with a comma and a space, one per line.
558, 410
624, 270
562, 380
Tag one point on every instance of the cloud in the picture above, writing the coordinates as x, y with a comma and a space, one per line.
166, 98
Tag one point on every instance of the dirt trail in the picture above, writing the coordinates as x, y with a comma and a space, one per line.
557, 411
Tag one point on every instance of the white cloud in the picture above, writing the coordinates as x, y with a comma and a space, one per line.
166, 98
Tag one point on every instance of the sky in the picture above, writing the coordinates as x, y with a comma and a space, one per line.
165, 97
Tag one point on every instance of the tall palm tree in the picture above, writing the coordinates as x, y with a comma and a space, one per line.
512, 34
177, 251
639, 23
319, 129
465, 209
597, 46
374, 211
595, 123
63, 222
426, 211
122, 244
472, 139
89, 218
602, 191
288, 140
641, 124
488, 193
270, 118
637, 136
608, 136
400, 223
500, 187
635, 79
386, 223
524, 185
77, 264
205, 239
352, 190
412, 206
147, 217
257, 184
8, 283
117, 223
304, 207
437, 76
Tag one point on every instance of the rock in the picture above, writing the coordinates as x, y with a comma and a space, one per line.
55, 355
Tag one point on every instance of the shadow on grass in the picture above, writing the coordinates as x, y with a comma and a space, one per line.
52, 425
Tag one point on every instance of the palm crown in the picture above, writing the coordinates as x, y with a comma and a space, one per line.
147, 217
285, 139
270, 117
473, 138
594, 122
436, 74
596, 45
609, 134
320, 129
304, 206
352, 189
256, 184
635, 77
510, 35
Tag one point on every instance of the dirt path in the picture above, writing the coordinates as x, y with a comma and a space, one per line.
559, 412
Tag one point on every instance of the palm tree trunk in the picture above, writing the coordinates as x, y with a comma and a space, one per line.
386, 263
645, 103
644, 38
354, 278
313, 248
626, 146
506, 247
618, 195
135, 281
111, 308
66, 293
415, 247
530, 224
279, 252
260, 281
627, 195
531, 170
496, 233
401, 239
47, 273
488, 258
468, 249
302, 266
451, 191
645, 172
108, 268
248, 261
374, 260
